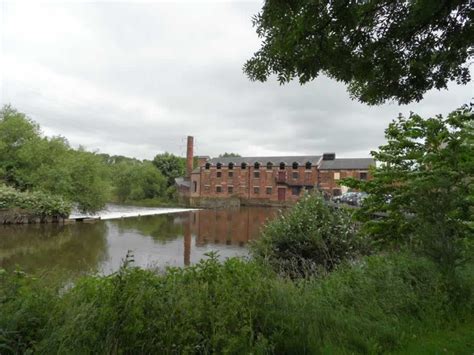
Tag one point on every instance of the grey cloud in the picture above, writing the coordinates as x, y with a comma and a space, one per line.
135, 79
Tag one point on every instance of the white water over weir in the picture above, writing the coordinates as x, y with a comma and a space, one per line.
112, 211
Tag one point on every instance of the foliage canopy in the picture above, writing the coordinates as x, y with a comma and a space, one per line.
382, 49
170, 165
424, 184
29, 161
229, 155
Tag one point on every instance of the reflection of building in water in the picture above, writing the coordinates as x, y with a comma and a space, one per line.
229, 226
187, 244
226, 226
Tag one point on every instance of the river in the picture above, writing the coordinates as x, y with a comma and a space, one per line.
173, 237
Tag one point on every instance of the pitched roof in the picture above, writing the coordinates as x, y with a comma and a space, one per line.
347, 164
180, 181
288, 160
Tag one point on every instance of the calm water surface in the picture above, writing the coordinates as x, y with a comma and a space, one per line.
155, 241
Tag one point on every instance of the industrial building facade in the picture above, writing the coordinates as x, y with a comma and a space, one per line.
266, 180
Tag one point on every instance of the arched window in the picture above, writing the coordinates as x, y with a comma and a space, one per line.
308, 165
208, 166
231, 166
269, 165
256, 165
282, 166
295, 165
243, 166
219, 165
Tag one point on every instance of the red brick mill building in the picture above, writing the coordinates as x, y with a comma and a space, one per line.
278, 180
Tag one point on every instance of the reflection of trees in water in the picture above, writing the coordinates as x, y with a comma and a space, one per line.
164, 227
74, 249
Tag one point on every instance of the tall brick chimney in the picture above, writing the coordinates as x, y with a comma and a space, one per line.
189, 156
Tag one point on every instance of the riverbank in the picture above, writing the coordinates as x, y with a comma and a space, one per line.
380, 304
150, 202
18, 207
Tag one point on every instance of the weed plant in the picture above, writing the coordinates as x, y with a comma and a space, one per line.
373, 306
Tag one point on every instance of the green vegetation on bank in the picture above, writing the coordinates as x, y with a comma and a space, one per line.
31, 162
424, 185
310, 238
378, 304
37, 204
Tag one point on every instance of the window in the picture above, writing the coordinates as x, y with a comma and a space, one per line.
256, 165
218, 189
295, 191
295, 165
363, 176
269, 190
269, 165
337, 176
295, 175
219, 165
256, 174
195, 186
230, 189
219, 174
231, 166
208, 166
243, 166
282, 166
308, 165
256, 190
231, 174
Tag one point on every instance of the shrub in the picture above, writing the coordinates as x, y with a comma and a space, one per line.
238, 307
36, 203
311, 236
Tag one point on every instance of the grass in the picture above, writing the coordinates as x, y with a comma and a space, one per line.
376, 305
458, 339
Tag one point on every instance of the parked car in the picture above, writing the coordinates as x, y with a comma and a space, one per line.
350, 198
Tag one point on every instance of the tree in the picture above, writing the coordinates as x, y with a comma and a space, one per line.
138, 181
29, 161
170, 166
90, 186
16, 131
424, 185
382, 49
229, 155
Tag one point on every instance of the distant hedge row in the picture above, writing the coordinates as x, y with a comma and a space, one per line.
38, 204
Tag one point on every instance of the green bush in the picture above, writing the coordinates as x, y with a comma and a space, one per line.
238, 307
30, 161
308, 238
37, 204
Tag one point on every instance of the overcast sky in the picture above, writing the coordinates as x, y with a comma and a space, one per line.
134, 78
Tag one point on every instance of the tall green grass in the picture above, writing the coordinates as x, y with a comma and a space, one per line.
237, 307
